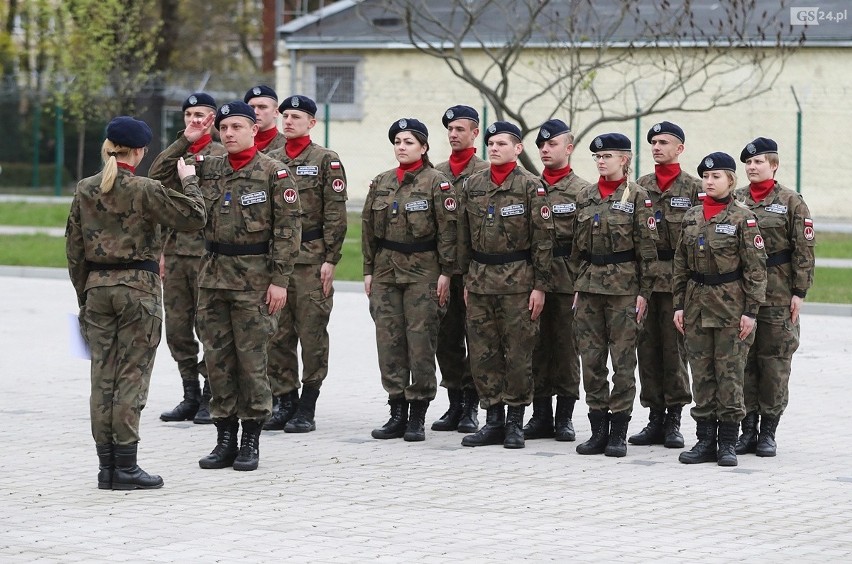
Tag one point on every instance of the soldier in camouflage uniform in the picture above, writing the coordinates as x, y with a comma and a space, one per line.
321, 180
556, 362
614, 259
251, 241
113, 243
462, 123
505, 246
179, 271
662, 358
408, 239
719, 282
264, 102
788, 231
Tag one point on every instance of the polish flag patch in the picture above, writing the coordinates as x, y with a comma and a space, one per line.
648, 203
541, 191
751, 223
199, 158
445, 186
282, 174
809, 222
334, 165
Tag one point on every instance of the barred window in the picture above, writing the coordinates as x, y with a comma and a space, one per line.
335, 81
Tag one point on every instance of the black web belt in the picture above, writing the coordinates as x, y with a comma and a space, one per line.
408, 248
614, 258
665, 254
562, 251
232, 250
502, 258
716, 279
149, 265
312, 235
781, 257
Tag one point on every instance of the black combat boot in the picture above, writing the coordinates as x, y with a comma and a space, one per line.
540, 425
469, 422
563, 423
303, 420
671, 428
396, 425
449, 421
415, 431
766, 441
747, 443
185, 410
225, 451
727, 456
202, 416
127, 475
283, 409
617, 444
106, 465
514, 434
705, 449
599, 420
653, 433
493, 432
249, 455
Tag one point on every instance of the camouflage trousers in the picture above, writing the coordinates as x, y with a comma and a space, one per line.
122, 326
556, 362
407, 317
452, 338
663, 371
180, 298
501, 337
304, 320
606, 326
767, 372
717, 358
236, 329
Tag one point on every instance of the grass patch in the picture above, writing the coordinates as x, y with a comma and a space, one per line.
33, 250
33, 214
834, 245
831, 286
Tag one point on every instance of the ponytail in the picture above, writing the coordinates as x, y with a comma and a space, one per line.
109, 151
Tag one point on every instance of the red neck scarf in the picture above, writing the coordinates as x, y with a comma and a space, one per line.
666, 174
607, 187
499, 173
760, 190
403, 168
264, 138
713, 207
241, 159
126, 166
553, 176
294, 147
459, 160
202, 142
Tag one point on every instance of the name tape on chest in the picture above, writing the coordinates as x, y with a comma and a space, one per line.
253, 198
560, 209
626, 207
417, 205
476, 193
307, 170
680, 202
726, 228
514, 209
776, 208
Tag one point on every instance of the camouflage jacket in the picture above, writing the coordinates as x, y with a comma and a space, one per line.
164, 169
474, 165
513, 218
420, 209
124, 225
563, 206
786, 226
255, 205
321, 180
605, 226
728, 242
276, 144
668, 208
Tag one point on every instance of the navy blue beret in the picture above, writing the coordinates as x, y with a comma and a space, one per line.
299, 102
610, 142
199, 99
407, 124
459, 112
759, 146
235, 108
666, 127
549, 129
128, 132
502, 127
260, 90
717, 161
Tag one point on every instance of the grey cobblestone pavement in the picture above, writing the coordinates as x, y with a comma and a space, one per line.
336, 495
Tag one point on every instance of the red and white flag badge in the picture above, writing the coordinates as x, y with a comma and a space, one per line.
334, 165
809, 222
751, 222
648, 203
199, 158
445, 186
541, 191
282, 173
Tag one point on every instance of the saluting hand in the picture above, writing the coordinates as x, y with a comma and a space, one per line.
195, 130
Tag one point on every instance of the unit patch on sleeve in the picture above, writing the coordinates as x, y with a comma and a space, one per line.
338, 185
290, 195
545, 212
253, 198
450, 204
758, 242
306, 170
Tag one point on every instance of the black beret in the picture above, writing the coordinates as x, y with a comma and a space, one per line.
299, 102
549, 129
717, 161
199, 99
260, 90
502, 127
759, 146
128, 132
666, 127
459, 112
235, 108
610, 142
407, 124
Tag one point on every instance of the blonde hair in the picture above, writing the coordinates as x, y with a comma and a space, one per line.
626, 170
109, 151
